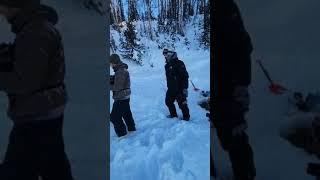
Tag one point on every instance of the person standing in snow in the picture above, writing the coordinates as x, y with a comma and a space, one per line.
177, 84
120, 86
32, 74
232, 76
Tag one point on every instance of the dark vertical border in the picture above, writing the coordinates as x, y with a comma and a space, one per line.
213, 83
108, 88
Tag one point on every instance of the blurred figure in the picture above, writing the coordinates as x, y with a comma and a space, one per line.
232, 77
32, 73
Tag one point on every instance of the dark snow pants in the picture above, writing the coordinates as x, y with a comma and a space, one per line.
228, 116
36, 149
121, 111
182, 102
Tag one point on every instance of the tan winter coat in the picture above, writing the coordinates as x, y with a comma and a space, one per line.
121, 87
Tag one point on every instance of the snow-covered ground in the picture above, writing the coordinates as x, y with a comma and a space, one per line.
286, 36
162, 148
85, 131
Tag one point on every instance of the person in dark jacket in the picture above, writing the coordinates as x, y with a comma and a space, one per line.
177, 83
232, 76
32, 72
120, 87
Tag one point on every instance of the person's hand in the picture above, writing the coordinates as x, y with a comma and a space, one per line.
111, 79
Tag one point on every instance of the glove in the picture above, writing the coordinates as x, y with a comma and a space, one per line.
185, 92
112, 79
241, 95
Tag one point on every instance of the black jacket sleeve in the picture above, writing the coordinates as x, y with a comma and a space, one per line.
233, 48
184, 76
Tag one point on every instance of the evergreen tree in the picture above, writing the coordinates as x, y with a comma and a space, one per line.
113, 45
131, 49
133, 14
205, 38
121, 11
149, 18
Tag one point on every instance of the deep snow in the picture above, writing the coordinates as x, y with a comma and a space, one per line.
285, 35
162, 148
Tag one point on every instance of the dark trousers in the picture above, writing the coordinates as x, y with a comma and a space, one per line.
36, 149
182, 102
237, 146
121, 111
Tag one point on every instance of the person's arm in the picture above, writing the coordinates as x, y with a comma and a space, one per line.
184, 75
30, 65
242, 47
111, 82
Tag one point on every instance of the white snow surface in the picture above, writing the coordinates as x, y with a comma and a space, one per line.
285, 37
162, 148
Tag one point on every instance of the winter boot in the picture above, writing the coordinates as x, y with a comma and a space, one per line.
172, 116
122, 137
132, 129
186, 118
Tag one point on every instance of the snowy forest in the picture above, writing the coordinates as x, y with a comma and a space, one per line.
136, 23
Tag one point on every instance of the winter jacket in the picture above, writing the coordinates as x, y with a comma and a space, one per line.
121, 86
177, 76
232, 51
35, 81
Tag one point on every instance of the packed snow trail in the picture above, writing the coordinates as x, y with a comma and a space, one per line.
163, 148
286, 38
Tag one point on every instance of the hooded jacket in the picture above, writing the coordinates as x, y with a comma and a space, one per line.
121, 86
35, 82
177, 76
232, 51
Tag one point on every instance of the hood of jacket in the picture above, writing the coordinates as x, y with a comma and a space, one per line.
27, 15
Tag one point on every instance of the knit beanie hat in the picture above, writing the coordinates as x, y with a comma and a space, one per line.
115, 59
